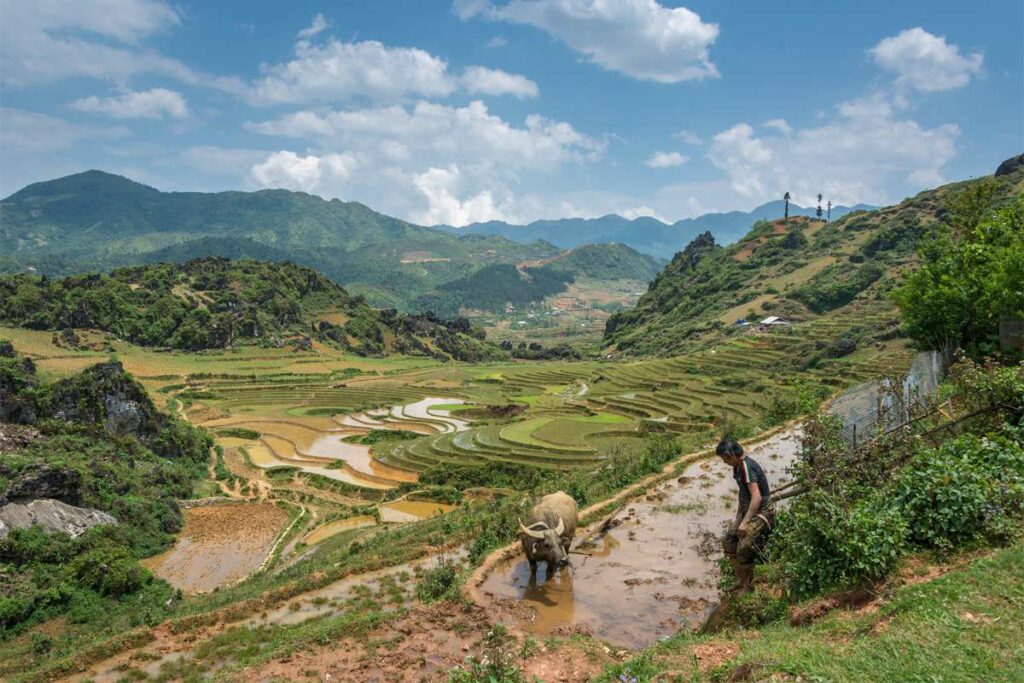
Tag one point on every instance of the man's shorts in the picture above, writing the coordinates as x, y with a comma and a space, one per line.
748, 547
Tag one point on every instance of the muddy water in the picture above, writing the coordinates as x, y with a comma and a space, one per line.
219, 545
411, 511
654, 573
329, 529
425, 409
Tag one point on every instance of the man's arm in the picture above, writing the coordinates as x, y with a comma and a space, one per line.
753, 508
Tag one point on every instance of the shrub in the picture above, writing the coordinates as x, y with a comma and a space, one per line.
438, 582
751, 610
823, 544
965, 490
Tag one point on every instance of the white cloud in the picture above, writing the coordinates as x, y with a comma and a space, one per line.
497, 41
780, 125
926, 62
157, 103
666, 160
635, 212
427, 162
484, 81
371, 70
439, 185
319, 24
689, 137
48, 40
865, 153
639, 38
290, 171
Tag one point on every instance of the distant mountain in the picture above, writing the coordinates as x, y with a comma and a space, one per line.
647, 235
95, 221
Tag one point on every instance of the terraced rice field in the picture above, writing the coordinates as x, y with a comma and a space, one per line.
290, 423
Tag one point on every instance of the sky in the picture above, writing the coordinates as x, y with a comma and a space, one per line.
474, 110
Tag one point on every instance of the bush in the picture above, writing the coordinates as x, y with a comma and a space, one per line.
438, 582
967, 489
752, 610
823, 544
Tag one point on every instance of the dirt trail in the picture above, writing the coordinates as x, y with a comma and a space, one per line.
653, 573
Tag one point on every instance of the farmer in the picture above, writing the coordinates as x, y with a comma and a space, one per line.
754, 515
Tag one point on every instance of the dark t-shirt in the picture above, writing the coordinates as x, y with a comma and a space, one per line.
746, 472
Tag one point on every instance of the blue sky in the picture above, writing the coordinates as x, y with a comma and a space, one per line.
442, 112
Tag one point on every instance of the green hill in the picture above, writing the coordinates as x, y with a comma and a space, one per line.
799, 268
216, 303
96, 221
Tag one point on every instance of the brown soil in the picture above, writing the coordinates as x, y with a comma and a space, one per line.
712, 655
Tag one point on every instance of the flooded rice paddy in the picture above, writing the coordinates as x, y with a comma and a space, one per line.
649, 576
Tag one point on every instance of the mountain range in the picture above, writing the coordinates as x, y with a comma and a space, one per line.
96, 221
645, 234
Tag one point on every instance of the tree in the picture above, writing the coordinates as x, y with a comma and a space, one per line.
970, 277
785, 198
829, 217
819, 207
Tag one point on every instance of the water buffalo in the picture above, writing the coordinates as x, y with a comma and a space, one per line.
549, 529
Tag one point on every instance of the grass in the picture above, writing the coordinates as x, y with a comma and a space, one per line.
967, 625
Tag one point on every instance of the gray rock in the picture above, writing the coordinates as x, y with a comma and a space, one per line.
1010, 165
41, 480
52, 515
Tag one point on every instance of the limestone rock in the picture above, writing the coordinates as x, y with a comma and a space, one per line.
52, 515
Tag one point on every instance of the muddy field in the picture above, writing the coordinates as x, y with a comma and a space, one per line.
652, 574
219, 545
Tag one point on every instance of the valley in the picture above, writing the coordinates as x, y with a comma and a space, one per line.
324, 487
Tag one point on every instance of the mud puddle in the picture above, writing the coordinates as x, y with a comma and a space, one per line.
219, 545
653, 574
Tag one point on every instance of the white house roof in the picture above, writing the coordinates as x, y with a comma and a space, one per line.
774, 320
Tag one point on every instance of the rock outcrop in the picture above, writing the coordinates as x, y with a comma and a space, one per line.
41, 480
52, 516
1010, 165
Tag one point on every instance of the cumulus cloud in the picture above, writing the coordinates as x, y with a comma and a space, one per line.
319, 24
483, 81
497, 41
428, 162
666, 160
926, 62
48, 40
288, 170
638, 38
337, 70
865, 152
157, 103
780, 125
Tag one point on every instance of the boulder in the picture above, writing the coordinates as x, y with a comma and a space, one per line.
52, 516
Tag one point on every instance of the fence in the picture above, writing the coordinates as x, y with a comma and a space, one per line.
873, 406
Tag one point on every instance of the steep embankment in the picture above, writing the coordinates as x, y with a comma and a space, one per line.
215, 303
798, 268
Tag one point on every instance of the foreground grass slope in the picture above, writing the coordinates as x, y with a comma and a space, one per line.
952, 622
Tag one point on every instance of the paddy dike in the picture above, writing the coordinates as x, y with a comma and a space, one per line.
654, 572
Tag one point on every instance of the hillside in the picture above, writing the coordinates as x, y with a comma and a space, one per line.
96, 221
800, 269
644, 234
216, 303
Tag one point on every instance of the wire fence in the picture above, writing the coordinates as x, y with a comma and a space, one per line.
882, 404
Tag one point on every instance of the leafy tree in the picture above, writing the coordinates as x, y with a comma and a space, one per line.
971, 275
786, 198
